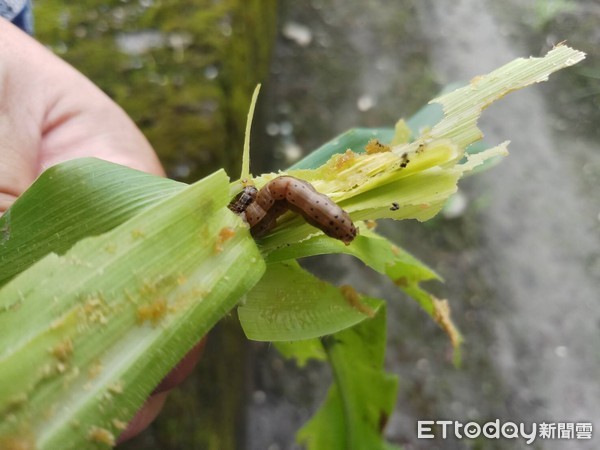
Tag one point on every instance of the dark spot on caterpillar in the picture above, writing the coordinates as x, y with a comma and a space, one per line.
395, 207
262, 208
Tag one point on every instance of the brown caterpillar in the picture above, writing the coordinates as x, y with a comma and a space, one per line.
262, 208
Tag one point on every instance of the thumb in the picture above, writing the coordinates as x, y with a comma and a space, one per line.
50, 113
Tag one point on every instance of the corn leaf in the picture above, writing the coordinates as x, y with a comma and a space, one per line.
131, 270
417, 176
302, 351
355, 138
362, 397
408, 179
87, 335
290, 304
245, 175
389, 260
462, 107
70, 201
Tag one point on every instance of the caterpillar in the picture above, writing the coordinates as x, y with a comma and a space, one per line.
262, 208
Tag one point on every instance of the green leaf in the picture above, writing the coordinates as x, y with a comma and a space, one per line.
419, 176
87, 335
302, 351
463, 107
371, 248
290, 304
382, 185
363, 396
355, 139
245, 174
386, 258
408, 180
70, 201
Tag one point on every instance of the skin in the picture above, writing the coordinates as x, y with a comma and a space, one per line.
50, 113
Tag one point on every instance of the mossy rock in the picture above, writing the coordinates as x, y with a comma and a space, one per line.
184, 70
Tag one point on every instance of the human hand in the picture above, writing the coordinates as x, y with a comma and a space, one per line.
155, 402
50, 113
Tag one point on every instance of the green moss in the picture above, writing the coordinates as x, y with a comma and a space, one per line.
195, 122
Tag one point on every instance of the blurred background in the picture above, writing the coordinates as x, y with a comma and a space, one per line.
519, 246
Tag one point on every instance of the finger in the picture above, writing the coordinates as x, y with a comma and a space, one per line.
17, 169
55, 114
155, 402
144, 416
21, 115
80, 120
90, 124
183, 369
